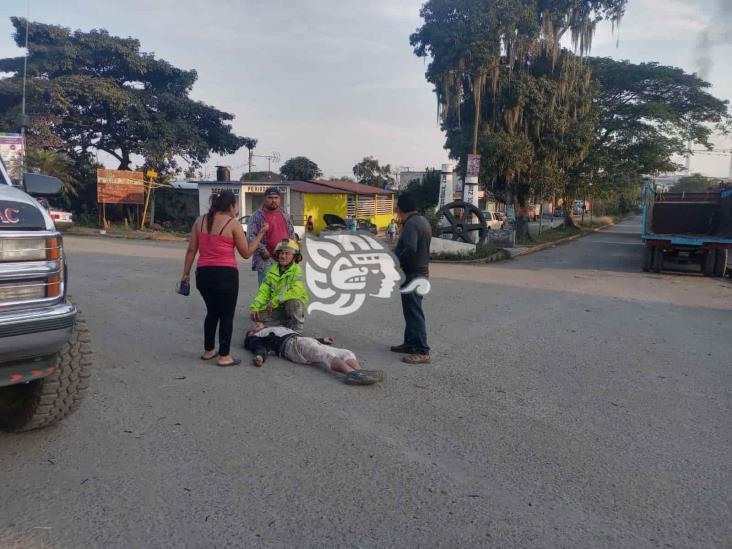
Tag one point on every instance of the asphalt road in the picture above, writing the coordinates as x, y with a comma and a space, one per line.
573, 401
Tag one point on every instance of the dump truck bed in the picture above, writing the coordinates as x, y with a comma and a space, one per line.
688, 219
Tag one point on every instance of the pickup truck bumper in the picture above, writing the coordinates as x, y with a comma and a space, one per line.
30, 338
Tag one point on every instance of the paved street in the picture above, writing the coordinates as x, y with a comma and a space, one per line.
573, 401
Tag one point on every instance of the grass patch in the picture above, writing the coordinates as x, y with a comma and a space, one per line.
597, 221
482, 251
550, 235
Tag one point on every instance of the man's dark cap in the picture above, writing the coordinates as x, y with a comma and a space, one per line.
406, 203
272, 191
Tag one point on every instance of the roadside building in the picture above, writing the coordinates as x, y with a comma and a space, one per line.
364, 202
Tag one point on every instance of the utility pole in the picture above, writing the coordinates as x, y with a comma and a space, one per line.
24, 120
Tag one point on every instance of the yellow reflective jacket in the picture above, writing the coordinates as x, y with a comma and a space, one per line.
278, 287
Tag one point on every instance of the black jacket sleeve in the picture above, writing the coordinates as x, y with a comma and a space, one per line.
256, 345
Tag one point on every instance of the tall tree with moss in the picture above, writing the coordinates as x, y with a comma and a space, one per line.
506, 89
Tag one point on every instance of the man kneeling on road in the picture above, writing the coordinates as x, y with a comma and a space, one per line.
307, 350
281, 299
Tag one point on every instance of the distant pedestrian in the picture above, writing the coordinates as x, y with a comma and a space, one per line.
391, 230
309, 225
413, 252
280, 228
214, 237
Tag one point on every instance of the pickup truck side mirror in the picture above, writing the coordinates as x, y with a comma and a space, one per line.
36, 184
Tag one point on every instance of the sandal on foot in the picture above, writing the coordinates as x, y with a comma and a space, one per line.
234, 362
364, 377
417, 359
209, 358
258, 361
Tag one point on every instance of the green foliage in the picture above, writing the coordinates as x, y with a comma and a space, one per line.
369, 172
300, 168
694, 183
500, 65
647, 113
56, 164
101, 93
426, 190
261, 176
550, 235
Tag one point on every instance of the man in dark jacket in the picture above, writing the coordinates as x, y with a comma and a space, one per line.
413, 252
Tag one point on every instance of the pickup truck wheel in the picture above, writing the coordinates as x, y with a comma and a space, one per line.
720, 263
707, 262
647, 258
657, 259
40, 403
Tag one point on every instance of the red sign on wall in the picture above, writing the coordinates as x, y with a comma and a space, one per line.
120, 187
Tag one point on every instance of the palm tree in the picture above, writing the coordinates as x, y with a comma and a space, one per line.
250, 143
57, 164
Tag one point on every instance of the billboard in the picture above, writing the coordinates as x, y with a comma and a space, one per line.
120, 187
12, 150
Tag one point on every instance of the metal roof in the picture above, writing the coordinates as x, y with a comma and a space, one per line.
314, 188
354, 188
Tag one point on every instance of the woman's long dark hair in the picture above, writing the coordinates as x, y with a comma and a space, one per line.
220, 202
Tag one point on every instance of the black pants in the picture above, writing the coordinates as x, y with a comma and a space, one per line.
219, 287
415, 329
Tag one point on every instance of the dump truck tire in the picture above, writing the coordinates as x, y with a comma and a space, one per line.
657, 259
720, 263
647, 258
43, 402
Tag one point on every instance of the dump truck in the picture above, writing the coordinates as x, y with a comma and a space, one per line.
687, 227
45, 353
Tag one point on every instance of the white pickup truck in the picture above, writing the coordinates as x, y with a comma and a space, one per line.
492, 221
45, 357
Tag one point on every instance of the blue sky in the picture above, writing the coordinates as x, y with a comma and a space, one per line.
336, 80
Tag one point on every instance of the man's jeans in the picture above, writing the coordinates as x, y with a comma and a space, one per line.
262, 272
415, 329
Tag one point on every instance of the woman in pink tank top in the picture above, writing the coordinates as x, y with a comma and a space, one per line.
214, 238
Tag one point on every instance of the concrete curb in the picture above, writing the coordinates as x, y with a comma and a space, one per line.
540, 247
157, 236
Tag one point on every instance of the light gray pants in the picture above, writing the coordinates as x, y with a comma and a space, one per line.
308, 350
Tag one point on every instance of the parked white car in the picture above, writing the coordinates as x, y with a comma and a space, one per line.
244, 220
492, 221
61, 218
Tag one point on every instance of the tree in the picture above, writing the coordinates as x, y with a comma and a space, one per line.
57, 164
426, 190
250, 143
101, 93
300, 168
694, 183
369, 172
648, 113
500, 64
261, 176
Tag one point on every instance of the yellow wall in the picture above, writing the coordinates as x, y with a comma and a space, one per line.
319, 204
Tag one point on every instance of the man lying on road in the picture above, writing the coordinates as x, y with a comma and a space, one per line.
307, 350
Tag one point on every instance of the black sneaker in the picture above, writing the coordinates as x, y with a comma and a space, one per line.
402, 349
364, 377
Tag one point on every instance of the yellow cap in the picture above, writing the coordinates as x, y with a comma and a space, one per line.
289, 245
